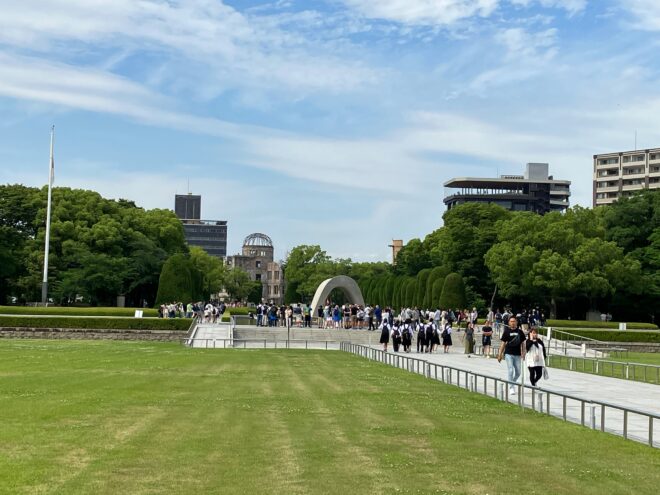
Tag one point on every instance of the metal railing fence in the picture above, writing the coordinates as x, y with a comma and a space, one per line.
647, 373
612, 418
262, 344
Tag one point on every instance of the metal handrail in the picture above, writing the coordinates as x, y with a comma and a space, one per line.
600, 366
430, 370
274, 343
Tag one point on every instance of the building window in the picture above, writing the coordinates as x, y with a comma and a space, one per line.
608, 161
257, 277
277, 289
258, 263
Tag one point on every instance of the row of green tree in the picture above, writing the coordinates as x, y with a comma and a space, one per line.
607, 258
101, 248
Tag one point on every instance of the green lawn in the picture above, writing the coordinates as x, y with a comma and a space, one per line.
605, 368
108, 417
639, 357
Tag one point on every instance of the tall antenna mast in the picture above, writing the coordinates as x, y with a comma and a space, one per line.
51, 177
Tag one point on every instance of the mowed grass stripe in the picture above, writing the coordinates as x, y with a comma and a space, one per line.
122, 417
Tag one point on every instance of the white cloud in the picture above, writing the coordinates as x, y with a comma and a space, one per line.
423, 12
571, 6
231, 49
647, 13
522, 43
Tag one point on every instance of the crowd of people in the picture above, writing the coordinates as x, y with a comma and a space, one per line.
272, 315
430, 330
209, 312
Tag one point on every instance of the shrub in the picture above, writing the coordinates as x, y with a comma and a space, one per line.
436, 292
453, 292
439, 272
241, 310
75, 311
96, 323
178, 280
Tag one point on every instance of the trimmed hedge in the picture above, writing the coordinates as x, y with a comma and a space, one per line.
239, 311
609, 335
74, 311
179, 324
599, 324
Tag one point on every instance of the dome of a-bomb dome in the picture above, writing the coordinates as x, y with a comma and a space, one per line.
260, 240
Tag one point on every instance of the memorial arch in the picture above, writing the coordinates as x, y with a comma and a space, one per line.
346, 284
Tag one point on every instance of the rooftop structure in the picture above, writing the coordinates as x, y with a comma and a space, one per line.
534, 191
617, 175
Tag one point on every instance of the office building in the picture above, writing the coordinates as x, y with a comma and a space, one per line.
618, 175
188, 206
210, 235
534, 191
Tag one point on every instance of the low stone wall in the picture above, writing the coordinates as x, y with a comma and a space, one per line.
87, 334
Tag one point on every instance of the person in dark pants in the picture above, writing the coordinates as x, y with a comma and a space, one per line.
535, 357
421, 337
396, 336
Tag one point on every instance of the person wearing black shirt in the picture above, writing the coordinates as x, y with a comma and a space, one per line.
486, 338
513, 351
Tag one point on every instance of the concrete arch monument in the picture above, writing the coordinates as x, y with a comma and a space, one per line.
346, 284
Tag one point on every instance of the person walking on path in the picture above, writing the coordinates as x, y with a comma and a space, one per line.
385, 334
396, 336
446, 337
421, 337
486, 338
513, 351
469, 339
535, 358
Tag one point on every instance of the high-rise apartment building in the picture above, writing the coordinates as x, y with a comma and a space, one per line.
534, 191
210, 235
618, 175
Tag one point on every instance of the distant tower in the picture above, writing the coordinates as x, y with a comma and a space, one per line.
188, 206
396, 246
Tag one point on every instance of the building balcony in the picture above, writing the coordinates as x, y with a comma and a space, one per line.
654, 185
633, 187
609, 172
559, 192
601, 188
605, 201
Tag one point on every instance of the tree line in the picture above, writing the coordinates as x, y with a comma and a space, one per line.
605, 259
101, 248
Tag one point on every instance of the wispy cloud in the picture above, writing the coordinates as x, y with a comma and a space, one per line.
232, 48
646, 12
423, 12
571, 6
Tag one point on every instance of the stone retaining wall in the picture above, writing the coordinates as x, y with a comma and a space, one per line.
87, 334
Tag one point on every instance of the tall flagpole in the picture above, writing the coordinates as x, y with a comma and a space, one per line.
51, 176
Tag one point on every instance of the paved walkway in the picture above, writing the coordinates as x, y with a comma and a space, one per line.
614, 391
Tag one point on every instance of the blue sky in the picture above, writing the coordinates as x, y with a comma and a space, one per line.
332, 122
